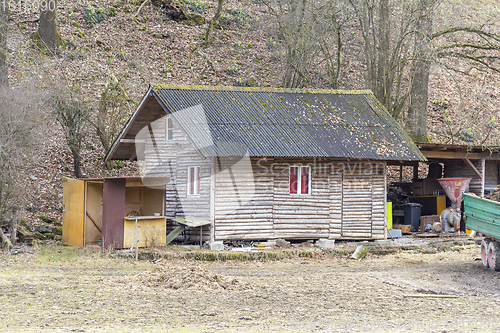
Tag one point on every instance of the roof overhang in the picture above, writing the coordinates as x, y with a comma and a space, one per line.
435, 152
124, 147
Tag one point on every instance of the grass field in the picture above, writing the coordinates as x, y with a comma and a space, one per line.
65, 289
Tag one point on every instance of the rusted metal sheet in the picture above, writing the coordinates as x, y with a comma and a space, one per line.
113, 213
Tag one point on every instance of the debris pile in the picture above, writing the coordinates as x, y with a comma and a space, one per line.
397, 196
494, 195
192, 278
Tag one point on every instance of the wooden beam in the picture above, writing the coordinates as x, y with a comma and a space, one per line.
458, 155
473, 167
449, 154
132, 141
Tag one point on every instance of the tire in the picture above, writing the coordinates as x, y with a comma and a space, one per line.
484, 251
494, 255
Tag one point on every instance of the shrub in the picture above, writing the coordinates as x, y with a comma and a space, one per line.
196, 7
93, 16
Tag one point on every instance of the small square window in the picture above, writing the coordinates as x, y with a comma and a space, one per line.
193, 181
300, 180
169, 129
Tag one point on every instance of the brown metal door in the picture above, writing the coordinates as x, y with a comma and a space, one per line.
113, 213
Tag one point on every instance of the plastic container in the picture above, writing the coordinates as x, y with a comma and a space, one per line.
412, 215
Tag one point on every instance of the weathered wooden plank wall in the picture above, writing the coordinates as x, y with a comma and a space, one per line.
379, 203
491, 170
244, 207
172, 158
347, 201
458, 168
336, 203
301, 216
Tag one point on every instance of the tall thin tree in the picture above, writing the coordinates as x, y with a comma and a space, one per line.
4, 19
419, 74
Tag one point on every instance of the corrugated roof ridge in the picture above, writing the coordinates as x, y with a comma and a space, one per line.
157, 87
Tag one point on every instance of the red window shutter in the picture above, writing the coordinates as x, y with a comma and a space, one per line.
304, 180
293, 180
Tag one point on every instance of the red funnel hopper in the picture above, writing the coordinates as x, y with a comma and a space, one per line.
454, 187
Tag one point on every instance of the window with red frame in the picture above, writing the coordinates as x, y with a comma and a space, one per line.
300, 180
193, 180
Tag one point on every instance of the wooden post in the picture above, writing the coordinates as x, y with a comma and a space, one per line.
136, 241
415, 171
212, 200
483, 174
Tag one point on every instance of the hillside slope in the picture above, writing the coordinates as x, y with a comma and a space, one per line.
146, 46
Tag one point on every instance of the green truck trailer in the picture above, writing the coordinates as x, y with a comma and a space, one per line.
483, 215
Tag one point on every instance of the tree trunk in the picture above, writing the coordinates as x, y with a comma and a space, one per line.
76, 162
382, 82
47, 38
419, 87
4, 19
208, 32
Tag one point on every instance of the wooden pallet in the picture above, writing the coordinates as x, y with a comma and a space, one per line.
405, 228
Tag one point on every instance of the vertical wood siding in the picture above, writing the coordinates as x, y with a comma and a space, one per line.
336, 203
458, 168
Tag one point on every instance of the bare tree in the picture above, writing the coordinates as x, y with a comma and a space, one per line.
311, 35
386, 28
4, 19
73, 114
21, 112
114, 108
416, 124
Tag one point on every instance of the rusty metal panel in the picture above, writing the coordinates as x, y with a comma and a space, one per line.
73, 211
113, 215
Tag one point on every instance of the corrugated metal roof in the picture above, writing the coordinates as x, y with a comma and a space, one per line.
223, 121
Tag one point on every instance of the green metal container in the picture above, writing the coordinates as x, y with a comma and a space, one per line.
482, 215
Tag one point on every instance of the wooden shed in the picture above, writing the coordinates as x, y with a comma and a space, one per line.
480, 163
262, 163
115, 212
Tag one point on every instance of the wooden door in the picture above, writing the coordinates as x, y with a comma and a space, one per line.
113, 213
73, 211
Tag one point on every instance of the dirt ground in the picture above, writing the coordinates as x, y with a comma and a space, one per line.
64, 289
